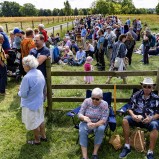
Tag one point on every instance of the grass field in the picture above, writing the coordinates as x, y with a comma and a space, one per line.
59, 128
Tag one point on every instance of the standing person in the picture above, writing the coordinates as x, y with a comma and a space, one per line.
144, 113
130, 44
138, 28
6, 44
17, 39
31, 93
101, 50
110, 36
26, 45
83, 35
93, 114
119, 50
3, 68
43, 32
41, 52
87, 68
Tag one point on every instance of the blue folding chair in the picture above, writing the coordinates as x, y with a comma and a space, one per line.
107, 96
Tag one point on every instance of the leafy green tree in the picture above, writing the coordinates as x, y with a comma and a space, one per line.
75, 11
10, 9
61, 12
127, 7
47, 12
28, 9
67, 8
55, 12
157, 8
40, 12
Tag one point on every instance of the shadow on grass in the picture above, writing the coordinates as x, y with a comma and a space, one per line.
36, 151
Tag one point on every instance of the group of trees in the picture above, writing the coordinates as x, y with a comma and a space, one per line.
8, 9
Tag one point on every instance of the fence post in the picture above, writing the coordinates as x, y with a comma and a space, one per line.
32, 24
53, 30
58, 20
72, 24
157, 81
67, 25
60, 28
53, 20
48, 83
21, 25
41, 21
65, 18
6, 27
62, 19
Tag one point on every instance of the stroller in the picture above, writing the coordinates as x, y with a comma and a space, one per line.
13, 64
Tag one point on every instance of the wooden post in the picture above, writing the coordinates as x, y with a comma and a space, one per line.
60, 28
6, 27
62, 19
157, 81
32, 24
58, 19
53, 30
48, 83
21, 25
65, 18
41, 21
53, 20
115, 99
48, 21
67, 25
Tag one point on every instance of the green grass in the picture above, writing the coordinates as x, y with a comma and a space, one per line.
59, 128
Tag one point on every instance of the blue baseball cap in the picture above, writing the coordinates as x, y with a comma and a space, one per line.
16, 30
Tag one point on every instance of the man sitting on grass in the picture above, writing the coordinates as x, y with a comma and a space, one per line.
144, 113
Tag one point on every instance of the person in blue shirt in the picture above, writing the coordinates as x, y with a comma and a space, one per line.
31, 93
83, 35
6, 44
41, 52
80, 56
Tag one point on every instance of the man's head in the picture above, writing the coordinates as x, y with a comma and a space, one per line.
147, 85
41, 27
39, 41
29, 33
1, 39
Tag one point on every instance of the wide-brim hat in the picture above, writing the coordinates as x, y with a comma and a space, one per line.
148, 81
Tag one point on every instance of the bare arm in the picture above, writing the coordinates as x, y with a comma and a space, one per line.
41, 59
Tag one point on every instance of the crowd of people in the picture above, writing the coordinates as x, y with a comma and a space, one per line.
92, 38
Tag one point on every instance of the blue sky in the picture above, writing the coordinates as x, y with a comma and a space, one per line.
50, 4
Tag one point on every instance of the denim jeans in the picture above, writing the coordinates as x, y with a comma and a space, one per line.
3, 78
84, 131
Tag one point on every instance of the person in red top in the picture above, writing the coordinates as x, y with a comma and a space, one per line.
43, 32
87, 68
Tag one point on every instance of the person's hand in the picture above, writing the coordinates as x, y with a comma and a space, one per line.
91, 125
147, 120
137, 118
86, 119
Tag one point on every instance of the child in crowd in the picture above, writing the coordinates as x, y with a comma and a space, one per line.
87, 68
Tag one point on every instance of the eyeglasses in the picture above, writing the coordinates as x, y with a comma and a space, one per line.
147, 86
97, 99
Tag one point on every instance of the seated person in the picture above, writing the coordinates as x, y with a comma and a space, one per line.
144, 113
74, 47
154, 51
66, 54
80, 56
89, 49
93, 114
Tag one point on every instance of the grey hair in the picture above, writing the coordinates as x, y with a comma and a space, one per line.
1, 28
97, 92
1, 36
30, 61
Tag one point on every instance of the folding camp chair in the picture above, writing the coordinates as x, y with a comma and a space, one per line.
107, 96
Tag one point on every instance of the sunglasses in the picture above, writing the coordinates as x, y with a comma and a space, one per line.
147, 86
97, 99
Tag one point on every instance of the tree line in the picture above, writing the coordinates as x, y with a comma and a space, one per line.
14, 9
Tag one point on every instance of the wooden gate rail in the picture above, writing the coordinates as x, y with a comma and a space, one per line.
51, 86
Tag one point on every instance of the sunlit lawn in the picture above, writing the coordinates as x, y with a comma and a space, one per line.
59, 128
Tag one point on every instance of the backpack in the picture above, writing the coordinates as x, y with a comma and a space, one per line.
152, 41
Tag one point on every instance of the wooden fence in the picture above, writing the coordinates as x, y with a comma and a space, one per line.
32, 23
51, 86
